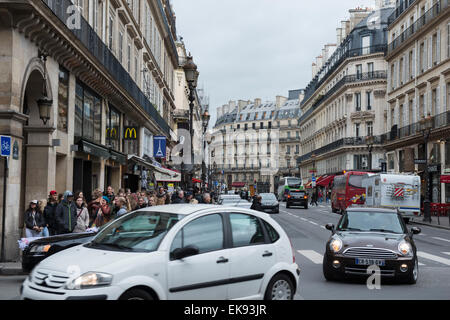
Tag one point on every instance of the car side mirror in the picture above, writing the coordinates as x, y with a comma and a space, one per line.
181, 253
415, 230
330, 227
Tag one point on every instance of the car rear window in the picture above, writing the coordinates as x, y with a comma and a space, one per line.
298, 192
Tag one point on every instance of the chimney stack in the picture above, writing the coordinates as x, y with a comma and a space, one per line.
280, 100
257, 102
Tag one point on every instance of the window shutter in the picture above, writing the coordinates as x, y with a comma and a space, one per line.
404, 69
430, 53
414, 110
438, 47
444, 98
438, 105
414, 63
407, 75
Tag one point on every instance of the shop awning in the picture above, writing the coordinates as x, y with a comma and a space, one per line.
445, 178
309, 184
118, 157
325, 180
167, 175
93, 149
194, 180
147, 164
238, 184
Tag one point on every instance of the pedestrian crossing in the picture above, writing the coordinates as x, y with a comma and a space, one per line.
426, 259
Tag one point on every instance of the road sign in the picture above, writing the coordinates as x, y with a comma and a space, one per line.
5, 143
313, 179
420, 161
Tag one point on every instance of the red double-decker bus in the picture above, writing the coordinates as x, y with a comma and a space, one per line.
347, 190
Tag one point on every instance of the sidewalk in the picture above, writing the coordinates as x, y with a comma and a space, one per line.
11, 269
444, 222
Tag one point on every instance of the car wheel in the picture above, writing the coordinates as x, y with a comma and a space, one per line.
333, 210
306, 206
280, 288
327, 272
136, 294
288, 205
414, 274
278, 211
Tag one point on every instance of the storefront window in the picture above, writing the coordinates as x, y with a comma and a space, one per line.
113, 128
63, 99
87, 114
447, 154
130, 146
435, 155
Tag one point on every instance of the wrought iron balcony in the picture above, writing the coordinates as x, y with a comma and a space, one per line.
94, 44
345, 80
402, 6
430, 15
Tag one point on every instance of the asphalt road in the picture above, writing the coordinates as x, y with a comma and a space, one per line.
306, 228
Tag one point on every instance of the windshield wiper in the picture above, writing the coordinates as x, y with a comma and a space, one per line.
349, 229
113, 245
383, 230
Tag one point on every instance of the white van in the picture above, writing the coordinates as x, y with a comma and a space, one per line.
396, 191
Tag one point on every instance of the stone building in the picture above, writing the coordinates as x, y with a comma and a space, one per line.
255, 143
345, 101
419, 87
108, 67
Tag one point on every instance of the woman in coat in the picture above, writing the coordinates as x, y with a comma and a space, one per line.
34, 221
82, 215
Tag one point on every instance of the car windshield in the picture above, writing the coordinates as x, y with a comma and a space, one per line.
296, 192
141, 231
268, 196
293, 182
371, 222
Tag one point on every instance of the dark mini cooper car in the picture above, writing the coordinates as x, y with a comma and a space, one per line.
297, 197
269, 203
42, 248
371, 236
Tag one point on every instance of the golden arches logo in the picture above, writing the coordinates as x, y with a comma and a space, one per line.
112, 133
130, 133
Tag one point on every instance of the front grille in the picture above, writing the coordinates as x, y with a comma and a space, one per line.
51, 280
372, 253
362, 270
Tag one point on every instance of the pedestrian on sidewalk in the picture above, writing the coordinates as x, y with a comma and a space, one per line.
109, 193
206, 198
66, 214
161, 197
141, 203
34, 221
103, 214
179, 197
82, 215
256, 205
151, 201
190, 198
94, 205
121, 203
41, 205
50, 213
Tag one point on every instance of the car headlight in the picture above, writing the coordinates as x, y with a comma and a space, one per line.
40, 248
405, 248
336, 245
90, 280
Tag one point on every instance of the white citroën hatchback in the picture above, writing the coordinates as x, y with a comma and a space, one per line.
174, 252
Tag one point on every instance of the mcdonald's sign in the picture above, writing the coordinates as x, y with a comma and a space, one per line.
130, 133
111, 133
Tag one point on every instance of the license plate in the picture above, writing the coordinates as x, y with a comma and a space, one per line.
369, 262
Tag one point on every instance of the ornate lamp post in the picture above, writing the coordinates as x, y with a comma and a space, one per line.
190, 69
426, 124
44, 103
205, 122
370, 141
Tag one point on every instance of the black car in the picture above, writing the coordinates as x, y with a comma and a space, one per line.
269, 203
368, 237
42, 248
297, 197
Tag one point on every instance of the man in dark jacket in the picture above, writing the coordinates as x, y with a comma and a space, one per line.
256, 205
66, 214
50, 213
179, 197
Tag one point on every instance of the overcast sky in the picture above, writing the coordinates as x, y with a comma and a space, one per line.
247, 49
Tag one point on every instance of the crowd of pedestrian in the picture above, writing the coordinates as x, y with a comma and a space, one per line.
71, 213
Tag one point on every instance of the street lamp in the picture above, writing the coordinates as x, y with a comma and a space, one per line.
44, 103
205, 122
370, 141
426, 124
190, 69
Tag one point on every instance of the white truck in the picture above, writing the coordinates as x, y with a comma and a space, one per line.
396, 191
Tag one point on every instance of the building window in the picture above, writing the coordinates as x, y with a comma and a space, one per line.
297, 149
88, 114
365, 45
113, 128
254, 125
246, 127
111, 33
369, 126
121, 46
130, 146
359, 71
358, 101
360, 162
369, 100
288, 149
357, 129
63, 99
261, 125
370, 69
270, 125
289, 134
129, 56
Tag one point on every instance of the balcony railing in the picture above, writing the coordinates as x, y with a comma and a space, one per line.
431, 14
439, 121
354, 141
89, 38
346, 79
337, 58
401, 7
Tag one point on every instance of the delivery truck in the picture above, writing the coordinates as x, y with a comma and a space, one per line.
395, 191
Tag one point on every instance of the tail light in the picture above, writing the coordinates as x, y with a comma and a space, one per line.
289, 196
293, 251
306, 197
